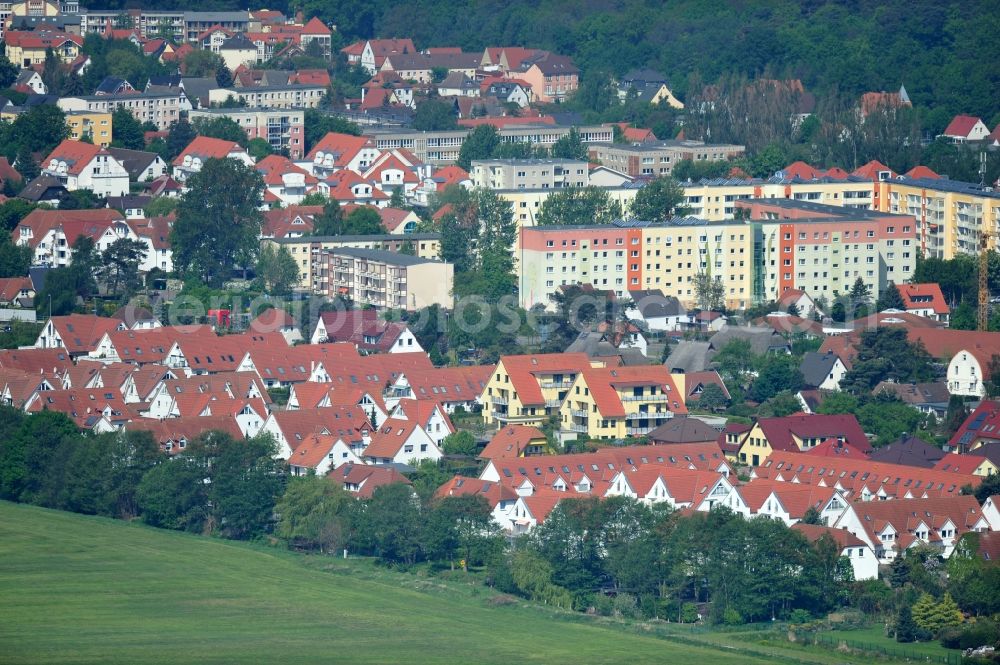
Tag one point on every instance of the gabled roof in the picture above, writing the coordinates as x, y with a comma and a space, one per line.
348, 423
449, 384
605, 382
206, 147
834, 448
43, 362
366, 478
921, 171
909, 451
81, 333
683, 430
282, 222
906, 516
309, 453
816, 367
982, 424
924, 296
842, 537
76, 154
964, 464
522, 371
961, 126
342, 147
781, 432
511, 441
494, 493
315, 27
273, 167
84, 406
872, 169
392, 434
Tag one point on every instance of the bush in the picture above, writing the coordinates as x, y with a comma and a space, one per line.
625, 605
800, 616
602, 605
731, 617
978, 634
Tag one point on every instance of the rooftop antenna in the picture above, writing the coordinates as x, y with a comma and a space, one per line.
982, 168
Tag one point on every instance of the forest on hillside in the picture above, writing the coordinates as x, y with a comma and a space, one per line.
944, 52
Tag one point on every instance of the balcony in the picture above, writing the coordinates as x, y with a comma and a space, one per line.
553, 403
638, 431
645, 398
579, 413
502, 401
578, 428
650, 415
555, 384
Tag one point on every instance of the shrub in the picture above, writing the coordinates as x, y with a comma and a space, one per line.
731, 617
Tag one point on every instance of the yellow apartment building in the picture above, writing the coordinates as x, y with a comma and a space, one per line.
95, 124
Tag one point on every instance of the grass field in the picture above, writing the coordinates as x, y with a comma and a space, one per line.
77, 589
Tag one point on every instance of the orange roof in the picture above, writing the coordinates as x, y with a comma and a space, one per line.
922, 172
871, 170
364, 479
280, 222
522, 371
316, 27
40, 39
604, 383
206, 147
343, 147
450, 175
494, 493
834, 448
955, 463
511, 441
81, 333
390, 437
273, 167
313, 450
922, 296
347, 423
842, 537
76, 154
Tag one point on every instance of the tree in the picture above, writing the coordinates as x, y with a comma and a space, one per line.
783, 404
330, 222
775, 374
223, 77
119, 268
462, 526
179, 137
963, 317
223, 128
364, 221
218, 220
201, 63
8, 72
906, 627
277, 269
435, 115
709, 291
885, 353
13, 211
736, 361
317, 125
569, 146
390, 524
247, 481
314, 513
173, 495
659, 200
161, 206
126, 131
460, 443
37, 130
812, 516
890, 299
860, 297
14, 260
579, 205
259, 148
481, 143
712, 398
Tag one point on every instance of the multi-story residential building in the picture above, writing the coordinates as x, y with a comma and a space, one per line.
658, 159
619, 402
28, 48
283, 128
271, 97
499, 174
715, 199
526, 390
950, 215
307, 250
527, 203
384, 280
442, 147
787, 244
182, 26
552, 77
96, 126
80, 165
159, 108
201, 149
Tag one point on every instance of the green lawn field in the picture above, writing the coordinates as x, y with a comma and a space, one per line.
77, 589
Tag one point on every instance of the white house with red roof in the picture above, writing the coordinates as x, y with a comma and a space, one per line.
52, 233
347, 187
291, 428
78, 334
440, 180
286, 181
335, 152
925, 300
320, 454
366, 330
399, 441
203, 148
966, 128
428, 414
79, 165
375, 51
969, 368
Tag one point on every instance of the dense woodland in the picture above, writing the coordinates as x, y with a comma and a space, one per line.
944, 52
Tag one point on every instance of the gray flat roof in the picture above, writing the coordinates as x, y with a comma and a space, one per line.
811, 206
382, 237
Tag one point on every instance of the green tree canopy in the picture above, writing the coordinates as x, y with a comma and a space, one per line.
218, 220
126, 131
277, 269
223, 128
579, 205
659, 200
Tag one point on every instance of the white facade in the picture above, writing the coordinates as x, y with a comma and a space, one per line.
104, 175
965, 375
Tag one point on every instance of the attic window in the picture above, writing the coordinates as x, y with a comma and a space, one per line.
507, 473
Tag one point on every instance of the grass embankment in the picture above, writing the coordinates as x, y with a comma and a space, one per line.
79, 589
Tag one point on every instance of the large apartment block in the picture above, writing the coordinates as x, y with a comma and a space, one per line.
529, 173
308, 250
283, 129
159, 108
185, 26
715, 199
786, 244
950, 215
441, 148
653, 160
271, 97
384, 280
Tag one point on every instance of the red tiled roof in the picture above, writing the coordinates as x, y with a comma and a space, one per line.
315, 27
906, 516
922, 296
81, 333
273, 167
313, 450
779, 432
511, 441
280, 222
44, 362
961, 126
342, 146
390, 437
983, 424
40, 39
494, 493
922, 172
206, 147
450, 175
834, 448
871, 170
964, 464
507, 121
521, 370
366, 477
842, 537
